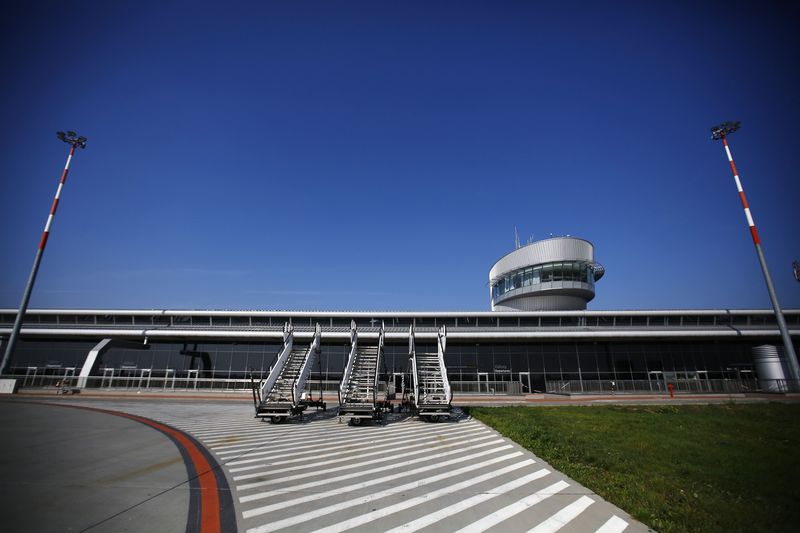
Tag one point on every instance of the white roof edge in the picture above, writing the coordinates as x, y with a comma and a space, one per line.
409, 314
455, 335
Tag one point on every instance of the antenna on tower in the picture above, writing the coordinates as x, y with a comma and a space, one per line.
516, 238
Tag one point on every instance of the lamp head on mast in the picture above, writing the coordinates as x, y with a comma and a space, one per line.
721, 131
72, 138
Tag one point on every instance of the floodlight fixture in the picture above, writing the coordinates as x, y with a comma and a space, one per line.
720, 131
72, 138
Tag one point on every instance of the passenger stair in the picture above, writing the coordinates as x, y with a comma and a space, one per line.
281, 394
360, 396
432, 393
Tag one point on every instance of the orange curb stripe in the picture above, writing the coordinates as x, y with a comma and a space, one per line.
209, 502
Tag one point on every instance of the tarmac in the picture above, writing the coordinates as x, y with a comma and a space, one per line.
199, 461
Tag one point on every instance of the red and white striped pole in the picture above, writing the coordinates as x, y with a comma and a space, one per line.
74, 141
720, 132
49, 223
751, 224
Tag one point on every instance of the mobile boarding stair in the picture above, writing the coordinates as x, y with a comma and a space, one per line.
432, 396
359, 397
281, 395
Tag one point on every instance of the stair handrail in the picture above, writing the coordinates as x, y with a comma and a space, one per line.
300, 381
280, 362
378, 357
348, 369
442, 348
412, 357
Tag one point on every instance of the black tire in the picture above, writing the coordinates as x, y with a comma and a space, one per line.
274, 419
355, 421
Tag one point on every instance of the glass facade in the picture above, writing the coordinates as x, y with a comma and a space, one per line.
579, 271
488, 347
535, 362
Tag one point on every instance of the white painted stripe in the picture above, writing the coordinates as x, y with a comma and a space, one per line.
564, 516
728, 151
336, 441
283, 442
419, 500
332, 432
515, 508
311, 514
350, 451
381, 459
58, 191
738, 183
289, 444
49, 222
749, 217
343, 490
69, 158
463, 505
268, 438
615, 524
391, 477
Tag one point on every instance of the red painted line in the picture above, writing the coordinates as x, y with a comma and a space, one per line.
209, 502
64, 176
733, 167
43, 242
210, 512
54, 206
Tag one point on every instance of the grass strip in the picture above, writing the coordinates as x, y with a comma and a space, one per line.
726, 468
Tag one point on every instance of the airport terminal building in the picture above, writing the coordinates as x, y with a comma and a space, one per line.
538, 338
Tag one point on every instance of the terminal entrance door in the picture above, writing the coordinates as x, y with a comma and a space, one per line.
483, 382
525, 382
398, 384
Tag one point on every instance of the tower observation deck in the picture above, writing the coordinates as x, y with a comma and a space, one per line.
557, 274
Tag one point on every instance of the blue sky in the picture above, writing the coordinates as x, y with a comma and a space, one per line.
378, 155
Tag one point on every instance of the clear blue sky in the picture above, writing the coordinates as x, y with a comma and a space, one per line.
378, 155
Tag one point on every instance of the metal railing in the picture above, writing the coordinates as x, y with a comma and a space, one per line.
486, 387
680, 386
147, 379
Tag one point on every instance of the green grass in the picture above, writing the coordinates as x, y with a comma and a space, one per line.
676, 468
